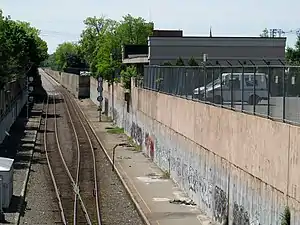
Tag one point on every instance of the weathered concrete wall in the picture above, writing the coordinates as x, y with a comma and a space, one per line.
93, 90
229, 163
55, 74
79, 86
11, 113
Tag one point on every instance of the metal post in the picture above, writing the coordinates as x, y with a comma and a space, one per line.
2, 216
284, 94
254, 92
269, 89
205, 75
100, 97
112, 87
114, 153
100, 110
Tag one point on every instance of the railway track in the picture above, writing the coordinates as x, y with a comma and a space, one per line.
75, 185
117, 205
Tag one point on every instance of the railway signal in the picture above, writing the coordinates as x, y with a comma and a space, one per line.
29, 90
100, 97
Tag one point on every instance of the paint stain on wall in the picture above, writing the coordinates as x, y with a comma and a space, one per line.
136, 133
220, 205
240, 215
149, 143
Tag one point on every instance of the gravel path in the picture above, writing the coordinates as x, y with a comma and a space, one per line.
41, 207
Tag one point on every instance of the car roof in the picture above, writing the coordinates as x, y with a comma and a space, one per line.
259, 74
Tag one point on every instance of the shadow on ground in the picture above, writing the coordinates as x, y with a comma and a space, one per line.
13, 143
51, 116
16, 205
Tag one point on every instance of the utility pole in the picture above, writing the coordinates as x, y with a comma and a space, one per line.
29, 89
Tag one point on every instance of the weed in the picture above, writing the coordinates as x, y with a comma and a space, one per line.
166, 175
114, 130
286, 216
132, 143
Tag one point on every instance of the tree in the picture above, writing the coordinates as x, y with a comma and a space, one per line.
192, 62
265, 33
179, 62
93, 38
102, 40
168, 63
293, 54
134, 30
100, 45
21, 49
68, 57
50, 62
127, 74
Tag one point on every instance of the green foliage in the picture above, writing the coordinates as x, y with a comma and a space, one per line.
21, 49
115, 130
264, 33
50, 62
293, 54
179, 62
168, 63
68, 57
100, 45
286, 216
192, 62
127, 74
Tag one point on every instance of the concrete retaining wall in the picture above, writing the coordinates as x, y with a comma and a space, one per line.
79, 86
229, 163
15, 108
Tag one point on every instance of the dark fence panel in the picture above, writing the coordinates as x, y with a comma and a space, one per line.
267, 90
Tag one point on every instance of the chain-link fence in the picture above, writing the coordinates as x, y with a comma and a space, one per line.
268, 90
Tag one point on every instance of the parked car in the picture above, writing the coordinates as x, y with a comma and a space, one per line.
228, 87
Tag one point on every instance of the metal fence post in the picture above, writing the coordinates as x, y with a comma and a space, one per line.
284, 94
269, 88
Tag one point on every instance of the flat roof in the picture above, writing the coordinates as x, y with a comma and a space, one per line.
136, 59
234, 37
6, 164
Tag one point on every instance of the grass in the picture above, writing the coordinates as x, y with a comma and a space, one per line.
166, 175
132, 143
115, 130
118, 130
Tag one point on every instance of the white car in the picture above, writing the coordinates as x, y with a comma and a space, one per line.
230, 89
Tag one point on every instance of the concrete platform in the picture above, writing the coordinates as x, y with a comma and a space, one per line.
161, 201
20, 145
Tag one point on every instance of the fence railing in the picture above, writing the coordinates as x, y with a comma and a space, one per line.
267, 90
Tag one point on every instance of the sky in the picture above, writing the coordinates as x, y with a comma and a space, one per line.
62, 20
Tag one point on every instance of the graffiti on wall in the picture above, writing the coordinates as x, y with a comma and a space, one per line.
162, 155
220, 205
149, 143
240, 215
193, 180
205, 191
136, 133
115, 114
